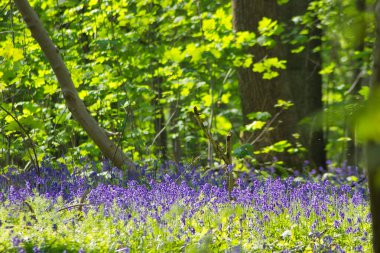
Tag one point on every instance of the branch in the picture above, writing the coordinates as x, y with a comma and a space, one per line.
229, 147
357, 79
226, 157
73, 102
266, 128
163, 129
217, 148
35, 160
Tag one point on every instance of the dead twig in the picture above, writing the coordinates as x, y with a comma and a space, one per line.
225, 156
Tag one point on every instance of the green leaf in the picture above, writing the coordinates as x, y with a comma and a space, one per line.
207, 100
50, 89
282, 2
298, 50
267, 26
243, 151
344, 139
255, 125
284, 104
352, 179
259, 67
31, 122
364, 91
328, 69
194, 51
270, 75
279, 147
174, 54
259, 116
223, 125
245, 38
266, 66
225, 98
209, 25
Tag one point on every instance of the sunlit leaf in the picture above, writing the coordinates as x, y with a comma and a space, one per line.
207, 100
284, 104
328, 69
255, 125
364, 91
267, 26
259, 116
266, 67
223, 125
298, 50
50, 89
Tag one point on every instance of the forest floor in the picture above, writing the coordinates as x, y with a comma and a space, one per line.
187, 211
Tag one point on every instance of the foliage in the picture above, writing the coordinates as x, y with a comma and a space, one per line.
121, 55
131, 58
347, 66
141, 66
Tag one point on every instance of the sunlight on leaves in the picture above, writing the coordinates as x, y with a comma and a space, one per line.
255, 125
266, 66
267, 26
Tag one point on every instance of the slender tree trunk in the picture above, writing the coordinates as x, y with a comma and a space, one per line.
176, 142
373, 147
73, 102
159, 120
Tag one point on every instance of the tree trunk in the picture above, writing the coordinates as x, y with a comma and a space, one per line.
373, 147
176, 142
73, 102
256, 94
352, 148
305, 83
261, 95
159, 120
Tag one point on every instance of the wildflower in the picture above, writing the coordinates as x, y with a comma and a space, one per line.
36, 250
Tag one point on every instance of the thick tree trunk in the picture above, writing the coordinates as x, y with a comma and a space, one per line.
256, 93
73, 102
301, 83
352, 148
305, 83
373, 147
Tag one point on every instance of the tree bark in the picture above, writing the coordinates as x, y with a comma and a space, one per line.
159, 120
305, 83
70, 94
256, 93
176, 142
301, 82
373, 146
353, 150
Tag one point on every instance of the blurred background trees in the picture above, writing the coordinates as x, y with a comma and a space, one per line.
284, 76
